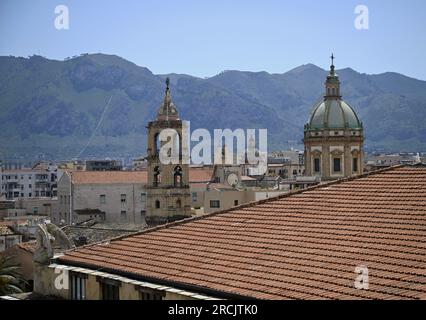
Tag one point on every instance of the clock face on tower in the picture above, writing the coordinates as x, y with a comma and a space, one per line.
232, 179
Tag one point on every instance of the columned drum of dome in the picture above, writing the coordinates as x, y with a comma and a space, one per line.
334, 135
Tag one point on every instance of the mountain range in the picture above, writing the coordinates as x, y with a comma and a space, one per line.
98, 105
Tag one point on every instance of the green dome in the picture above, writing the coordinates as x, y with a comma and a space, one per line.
334, 114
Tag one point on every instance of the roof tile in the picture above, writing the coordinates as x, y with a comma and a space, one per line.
304, 245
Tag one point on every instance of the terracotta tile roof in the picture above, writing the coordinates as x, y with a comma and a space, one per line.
101, 177
200, 174
29, 246
247, 178
108, 177
305, 245
5, 230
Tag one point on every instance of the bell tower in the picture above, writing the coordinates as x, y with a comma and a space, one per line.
168, 195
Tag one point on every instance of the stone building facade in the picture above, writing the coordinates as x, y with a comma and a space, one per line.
334, 136
110, 196
168, 190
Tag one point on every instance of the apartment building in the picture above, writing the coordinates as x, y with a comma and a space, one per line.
29, 183
110, 196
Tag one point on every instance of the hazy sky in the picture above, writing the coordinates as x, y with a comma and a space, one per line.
203, 37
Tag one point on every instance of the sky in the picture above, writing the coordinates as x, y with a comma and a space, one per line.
205, 37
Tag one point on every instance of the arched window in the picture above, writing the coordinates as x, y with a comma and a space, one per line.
178, 203
157, 204
157, 143
157, 176
177, 175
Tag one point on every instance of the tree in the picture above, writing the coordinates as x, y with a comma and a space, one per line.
11, 279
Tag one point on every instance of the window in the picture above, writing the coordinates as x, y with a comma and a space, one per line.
157, 176
317, 165
336, 165
30, 186
355, 164
35, 210
123, 215
110, 289
143, 200
157, 204
194, 197
177, 176
123, 198
235, 202
30, 195
178, 203
78, 286
214, 203
150, 294
102, 199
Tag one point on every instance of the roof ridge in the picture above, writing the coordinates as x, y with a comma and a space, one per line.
245, 205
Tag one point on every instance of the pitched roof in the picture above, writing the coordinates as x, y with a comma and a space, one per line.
200, 174
5, 230
305, 245
108, 177
29, 246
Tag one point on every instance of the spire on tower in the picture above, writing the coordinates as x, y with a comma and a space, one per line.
167, 110
332, 84
332, 64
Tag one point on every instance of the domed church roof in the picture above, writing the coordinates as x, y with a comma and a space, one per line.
333, 112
